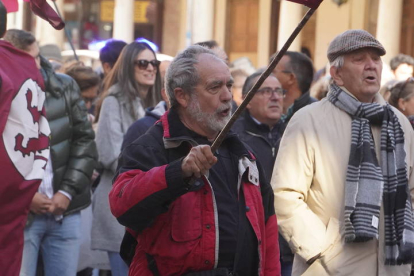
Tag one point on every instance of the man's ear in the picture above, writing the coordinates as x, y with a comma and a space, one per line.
336, 75
291, 81
164, 95
182, 98
248, 106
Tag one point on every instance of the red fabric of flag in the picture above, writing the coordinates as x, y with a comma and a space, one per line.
42, 9
11, 5
313, 4
24, 149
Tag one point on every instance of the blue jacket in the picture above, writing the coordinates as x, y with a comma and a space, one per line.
137, 129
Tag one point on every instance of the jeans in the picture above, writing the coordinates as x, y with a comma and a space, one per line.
118, 266
58, 242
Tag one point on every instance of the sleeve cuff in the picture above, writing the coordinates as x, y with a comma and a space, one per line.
174, 177
65, 194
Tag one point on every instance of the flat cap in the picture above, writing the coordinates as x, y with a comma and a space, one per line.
353, 40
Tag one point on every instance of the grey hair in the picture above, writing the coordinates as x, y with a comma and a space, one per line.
251, 80
182, 72
338, 62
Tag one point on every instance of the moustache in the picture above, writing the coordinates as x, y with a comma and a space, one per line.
223, 107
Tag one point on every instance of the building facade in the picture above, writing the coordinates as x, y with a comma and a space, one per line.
251, 28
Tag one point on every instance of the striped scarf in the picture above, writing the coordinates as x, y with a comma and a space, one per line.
367, 182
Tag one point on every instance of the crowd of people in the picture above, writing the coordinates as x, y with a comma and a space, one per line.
305, 182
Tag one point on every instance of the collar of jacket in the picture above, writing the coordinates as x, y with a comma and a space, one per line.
157, 110
252, 126
300, 102
53, 85
176, 133
303, 101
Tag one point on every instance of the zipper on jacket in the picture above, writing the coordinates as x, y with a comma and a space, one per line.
122, 190
215, 222
259, 136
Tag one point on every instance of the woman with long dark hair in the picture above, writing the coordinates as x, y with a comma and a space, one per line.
133, 85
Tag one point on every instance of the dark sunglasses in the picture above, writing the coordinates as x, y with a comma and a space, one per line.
143, 63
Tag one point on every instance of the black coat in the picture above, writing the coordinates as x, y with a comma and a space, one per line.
257, 138
300, 102
72, 145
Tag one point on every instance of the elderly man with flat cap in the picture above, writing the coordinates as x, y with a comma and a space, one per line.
343, 178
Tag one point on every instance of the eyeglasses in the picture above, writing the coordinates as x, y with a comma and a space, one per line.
143, 63
268, 92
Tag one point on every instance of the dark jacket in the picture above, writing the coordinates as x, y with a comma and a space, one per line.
73, 149
137, 129
300, 102
257, 137
177, 225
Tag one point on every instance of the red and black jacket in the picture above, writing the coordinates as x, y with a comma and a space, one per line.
150, 197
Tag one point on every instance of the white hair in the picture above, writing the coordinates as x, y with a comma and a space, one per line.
183, 73
338, 62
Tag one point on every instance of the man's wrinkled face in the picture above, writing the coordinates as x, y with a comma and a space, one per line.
210, 103
267, 107
361, 73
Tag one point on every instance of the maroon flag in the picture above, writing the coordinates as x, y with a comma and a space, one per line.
24, 149
313, 4
11, 5
42, 9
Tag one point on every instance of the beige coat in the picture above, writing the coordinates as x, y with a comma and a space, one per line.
308, 182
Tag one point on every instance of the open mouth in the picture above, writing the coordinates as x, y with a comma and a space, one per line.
370, 78
225, 112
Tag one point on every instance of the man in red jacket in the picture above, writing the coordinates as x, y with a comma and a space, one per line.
221, 224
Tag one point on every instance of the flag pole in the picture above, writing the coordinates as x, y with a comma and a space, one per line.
66, 31
219, 139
